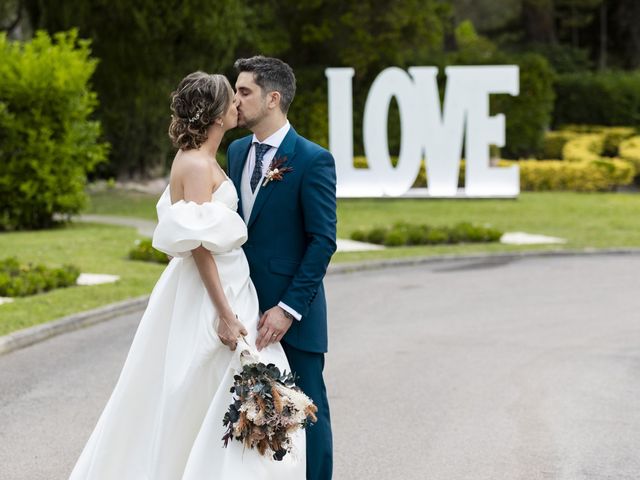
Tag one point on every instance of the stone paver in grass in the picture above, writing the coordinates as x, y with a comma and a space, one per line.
354, 246
96, 279
84, 279
522, 238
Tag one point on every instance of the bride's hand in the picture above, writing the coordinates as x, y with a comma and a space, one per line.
230, 329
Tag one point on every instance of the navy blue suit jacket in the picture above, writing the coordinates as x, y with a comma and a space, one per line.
292, 234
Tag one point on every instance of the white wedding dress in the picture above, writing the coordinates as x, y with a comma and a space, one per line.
164, 418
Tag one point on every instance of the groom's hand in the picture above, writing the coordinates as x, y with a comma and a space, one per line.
272, 327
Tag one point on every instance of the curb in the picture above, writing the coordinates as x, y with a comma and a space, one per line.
38, 333
343, 268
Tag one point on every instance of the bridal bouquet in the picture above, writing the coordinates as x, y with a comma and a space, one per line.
267, 408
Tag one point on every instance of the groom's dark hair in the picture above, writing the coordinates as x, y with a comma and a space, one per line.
271, 74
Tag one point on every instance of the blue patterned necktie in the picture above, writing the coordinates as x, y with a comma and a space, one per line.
261, 149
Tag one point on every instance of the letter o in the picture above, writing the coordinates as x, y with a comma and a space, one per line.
392, 82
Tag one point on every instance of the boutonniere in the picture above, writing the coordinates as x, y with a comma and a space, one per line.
276, 170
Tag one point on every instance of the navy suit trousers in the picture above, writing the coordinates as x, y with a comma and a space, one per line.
308, 368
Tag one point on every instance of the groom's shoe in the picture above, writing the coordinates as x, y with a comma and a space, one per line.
308, 368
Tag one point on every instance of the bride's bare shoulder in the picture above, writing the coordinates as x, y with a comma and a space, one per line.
189, 160
190, 170
191, 164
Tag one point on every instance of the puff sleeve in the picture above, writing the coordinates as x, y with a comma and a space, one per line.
185, 226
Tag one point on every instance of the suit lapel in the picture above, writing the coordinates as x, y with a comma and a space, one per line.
236, 166
286, 150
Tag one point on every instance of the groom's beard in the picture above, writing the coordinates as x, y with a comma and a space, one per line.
251, 122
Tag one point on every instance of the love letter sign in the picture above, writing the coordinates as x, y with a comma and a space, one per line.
427, 131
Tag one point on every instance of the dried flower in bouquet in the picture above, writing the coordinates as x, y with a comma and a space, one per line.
267, 409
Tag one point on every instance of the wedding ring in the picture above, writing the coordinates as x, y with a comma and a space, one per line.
274, 335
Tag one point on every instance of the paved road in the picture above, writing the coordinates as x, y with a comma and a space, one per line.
461, 370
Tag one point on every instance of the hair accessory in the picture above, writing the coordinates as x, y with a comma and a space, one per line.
196, 117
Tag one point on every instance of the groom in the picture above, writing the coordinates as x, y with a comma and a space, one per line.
287, 191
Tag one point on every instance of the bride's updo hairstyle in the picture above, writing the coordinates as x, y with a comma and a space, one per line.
199, 99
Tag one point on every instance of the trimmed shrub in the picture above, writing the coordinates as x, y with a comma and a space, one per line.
630, 150
376, 235
359, 236
589, 171
554, 143
47, 142
612, 136
589, 176
145, 252
435, 236
469, 233
607, 98
19, 280
584, 148
396, 238
403, 233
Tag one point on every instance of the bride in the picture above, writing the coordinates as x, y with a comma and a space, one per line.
164, 418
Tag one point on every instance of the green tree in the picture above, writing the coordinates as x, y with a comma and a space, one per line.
369, 36
624, 42
48, 144
528, 114
145, 48
572, 34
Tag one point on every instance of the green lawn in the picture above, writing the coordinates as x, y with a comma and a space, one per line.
94, 249
585, 220
127, 204
602, 220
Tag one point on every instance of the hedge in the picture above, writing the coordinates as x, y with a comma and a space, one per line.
630, 150
554, 142
145, 252
403, 233
47, 141
607, 98
611, 136
586, 176
584, 148
19, 280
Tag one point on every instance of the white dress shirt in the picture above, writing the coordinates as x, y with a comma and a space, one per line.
249, 197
